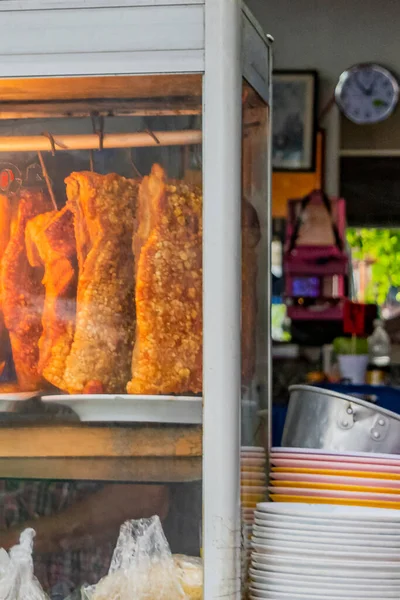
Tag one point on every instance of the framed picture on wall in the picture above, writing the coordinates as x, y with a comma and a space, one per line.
294, 120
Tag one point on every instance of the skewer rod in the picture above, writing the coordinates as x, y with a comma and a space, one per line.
40, 143
48, 181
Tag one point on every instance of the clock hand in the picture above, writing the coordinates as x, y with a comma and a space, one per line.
370, 90
360, 85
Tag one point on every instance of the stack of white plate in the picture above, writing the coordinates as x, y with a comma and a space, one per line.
320, 476
325, 552
253, 490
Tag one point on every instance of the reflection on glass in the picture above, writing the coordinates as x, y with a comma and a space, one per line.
101, 306
255, 269
101, 248
77, 524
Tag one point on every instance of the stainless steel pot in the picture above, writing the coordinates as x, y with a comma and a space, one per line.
319, 418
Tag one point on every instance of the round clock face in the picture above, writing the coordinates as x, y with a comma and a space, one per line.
367, 93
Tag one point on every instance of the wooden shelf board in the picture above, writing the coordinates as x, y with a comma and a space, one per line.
100, 87
135, 470
84, 441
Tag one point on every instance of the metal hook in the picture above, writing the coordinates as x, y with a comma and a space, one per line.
47, 180
134, 167
91, 162
98, 128
52, 142
152, 134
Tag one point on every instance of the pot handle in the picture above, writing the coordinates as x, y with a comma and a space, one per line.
380, 429
346, 417
349, 415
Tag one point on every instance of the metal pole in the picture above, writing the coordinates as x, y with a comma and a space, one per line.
43, 143
222, 298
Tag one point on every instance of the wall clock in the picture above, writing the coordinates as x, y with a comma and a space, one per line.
367, 93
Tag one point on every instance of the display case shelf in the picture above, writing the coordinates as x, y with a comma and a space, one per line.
109, 453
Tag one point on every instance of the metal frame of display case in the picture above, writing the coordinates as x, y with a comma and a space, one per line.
220, 40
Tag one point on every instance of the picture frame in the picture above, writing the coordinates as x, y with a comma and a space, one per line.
294, 120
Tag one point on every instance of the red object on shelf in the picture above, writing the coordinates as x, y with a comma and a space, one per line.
354, 318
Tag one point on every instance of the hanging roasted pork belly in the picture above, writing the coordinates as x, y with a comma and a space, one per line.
167, 357
23, 292
104, 208
50, 243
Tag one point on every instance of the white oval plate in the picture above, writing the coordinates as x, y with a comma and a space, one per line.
132, 409
319, 580
313, 590
284, 566
300, 524
331, 511
351, 552
359, 539
323, 562
273, 595
14, 401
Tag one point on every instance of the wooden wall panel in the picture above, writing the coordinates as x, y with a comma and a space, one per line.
289, 185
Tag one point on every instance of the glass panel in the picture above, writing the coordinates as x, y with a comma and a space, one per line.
255, 268
101, 323
255, 273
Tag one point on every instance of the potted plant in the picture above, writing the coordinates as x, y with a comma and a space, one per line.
352, 355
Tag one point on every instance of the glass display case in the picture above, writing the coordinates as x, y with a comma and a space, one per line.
134, 274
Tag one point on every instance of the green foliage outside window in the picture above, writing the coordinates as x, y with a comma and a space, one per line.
382, 248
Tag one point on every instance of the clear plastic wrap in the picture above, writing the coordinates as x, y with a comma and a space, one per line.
143, 568
17, 581
190, 574
8, 577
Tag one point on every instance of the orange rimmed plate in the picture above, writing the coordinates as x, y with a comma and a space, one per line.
335, 486
345, 473
342, 501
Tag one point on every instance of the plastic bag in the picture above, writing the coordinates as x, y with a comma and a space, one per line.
26, 586
142, 567
8, 577
190, 574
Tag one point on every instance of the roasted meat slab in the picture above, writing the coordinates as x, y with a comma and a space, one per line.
167, 357
23, 292
104, 213
50, 243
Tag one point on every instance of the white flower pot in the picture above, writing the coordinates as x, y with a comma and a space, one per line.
353, 367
